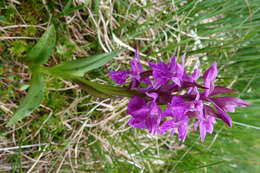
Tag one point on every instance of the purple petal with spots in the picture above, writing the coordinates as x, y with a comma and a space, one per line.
137, 123
137, 107
119, 77
178, 106
206, 126
161, 73
155, 113
175, 126
167, 125
145, 114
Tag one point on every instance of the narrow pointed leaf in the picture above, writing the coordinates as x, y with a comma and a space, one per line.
32, 100
42, 50
107, 89
92, 91
81, 66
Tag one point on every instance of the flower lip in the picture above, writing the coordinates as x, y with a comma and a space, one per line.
119, 77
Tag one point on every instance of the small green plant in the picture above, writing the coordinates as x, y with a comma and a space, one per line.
73, 70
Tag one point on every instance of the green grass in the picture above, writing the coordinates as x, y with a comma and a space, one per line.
72, 132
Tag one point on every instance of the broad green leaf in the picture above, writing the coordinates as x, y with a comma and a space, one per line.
41, 52
32, 100
81, 66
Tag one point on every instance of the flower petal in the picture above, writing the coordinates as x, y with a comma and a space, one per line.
209, 77
119, 77
136, 67
183, 131
221, 90
227, 103
206, 122
196, 74
202, 131
161, 73
137, 123
153, 95
178, 107
137, 107
177, 81
152, 125
225, 117
222, 115
177, 70
169, 124
210, 121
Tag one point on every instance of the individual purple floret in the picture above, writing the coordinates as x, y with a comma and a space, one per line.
120, 77
177, 110
171, 98
221, 104
206, 125
163, 73
145, 114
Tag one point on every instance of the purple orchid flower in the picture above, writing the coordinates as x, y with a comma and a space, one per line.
145, 114
222, 104
191, 80
203, 113
206, 125
120, 77
183, 97
179, 122
163, 73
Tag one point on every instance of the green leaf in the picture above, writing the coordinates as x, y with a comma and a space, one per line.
68, 9
67, 6
81, 66
41, 52
107, 89
32, 100
90, 90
